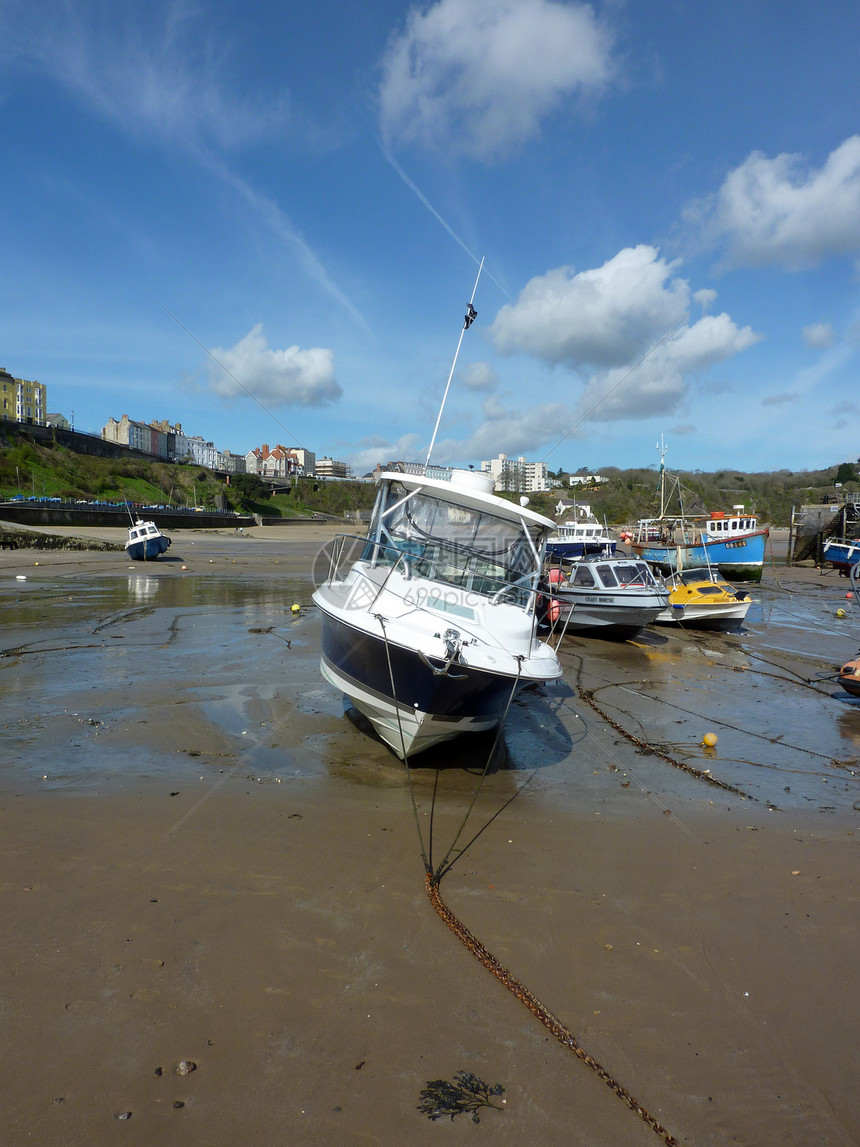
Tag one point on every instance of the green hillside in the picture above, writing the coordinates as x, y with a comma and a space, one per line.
49, 470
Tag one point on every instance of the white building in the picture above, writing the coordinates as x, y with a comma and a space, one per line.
203, 453
587, 480
331, 468
516, 476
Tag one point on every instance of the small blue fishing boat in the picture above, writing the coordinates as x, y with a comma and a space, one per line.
145, 541
842, 553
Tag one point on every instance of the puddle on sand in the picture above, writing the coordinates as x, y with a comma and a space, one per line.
131, 676
153, 674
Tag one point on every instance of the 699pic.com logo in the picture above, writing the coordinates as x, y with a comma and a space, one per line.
334, 559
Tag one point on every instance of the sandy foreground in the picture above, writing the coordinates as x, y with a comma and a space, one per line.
204, 862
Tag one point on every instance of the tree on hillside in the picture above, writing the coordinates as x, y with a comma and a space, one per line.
249, 488
846, 473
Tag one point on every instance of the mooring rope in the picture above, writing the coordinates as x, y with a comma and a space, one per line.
431, 881
561, 1032
445, 866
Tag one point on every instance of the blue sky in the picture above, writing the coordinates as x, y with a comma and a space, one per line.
666, 196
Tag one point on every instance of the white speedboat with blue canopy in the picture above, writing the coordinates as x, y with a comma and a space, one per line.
431, 629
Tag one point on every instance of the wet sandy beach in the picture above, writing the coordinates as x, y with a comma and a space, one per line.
206, 862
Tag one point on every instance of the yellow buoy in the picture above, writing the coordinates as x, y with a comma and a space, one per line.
709, 740
840, 613
295, 607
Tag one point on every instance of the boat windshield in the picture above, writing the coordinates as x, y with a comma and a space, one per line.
458, 545
626, 574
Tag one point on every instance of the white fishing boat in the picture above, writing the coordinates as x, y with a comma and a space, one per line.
145, 541
582, 535
430, 628
616, 596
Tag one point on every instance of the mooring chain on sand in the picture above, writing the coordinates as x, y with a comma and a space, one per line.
730, 724
699, 774
550, 1022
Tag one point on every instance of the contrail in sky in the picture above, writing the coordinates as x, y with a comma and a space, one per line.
423, 198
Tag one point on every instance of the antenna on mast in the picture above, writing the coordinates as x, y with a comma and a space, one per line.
471, 315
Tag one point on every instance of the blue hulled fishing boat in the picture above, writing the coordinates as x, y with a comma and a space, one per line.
731, 542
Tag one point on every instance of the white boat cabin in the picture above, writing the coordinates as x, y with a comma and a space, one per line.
721, 527
140, 531
458, 536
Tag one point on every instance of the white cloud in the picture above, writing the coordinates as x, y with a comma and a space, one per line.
478, 78
291, 377
479, 376
818, 335
377, 449
662, 383
705, 298
603, 317
781, 212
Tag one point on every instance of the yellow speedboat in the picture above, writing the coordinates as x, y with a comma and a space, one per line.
702, 599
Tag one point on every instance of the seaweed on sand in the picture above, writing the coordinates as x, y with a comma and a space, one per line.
466, 1093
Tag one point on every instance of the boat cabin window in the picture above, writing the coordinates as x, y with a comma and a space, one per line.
626, 573
583, 576
458, 545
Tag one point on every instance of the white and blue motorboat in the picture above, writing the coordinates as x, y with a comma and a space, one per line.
145, 541
430, 629
579, 537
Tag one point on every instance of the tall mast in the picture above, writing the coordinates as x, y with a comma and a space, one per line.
663, 449
471, 315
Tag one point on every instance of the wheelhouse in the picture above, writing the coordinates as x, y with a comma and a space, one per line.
458, 540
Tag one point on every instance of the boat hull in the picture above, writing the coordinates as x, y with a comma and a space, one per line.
410, 706
147, 548
726, 617
574, 550
611, 618
738, 559
842, 555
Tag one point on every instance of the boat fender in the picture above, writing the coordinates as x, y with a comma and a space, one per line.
553, 612
555, 576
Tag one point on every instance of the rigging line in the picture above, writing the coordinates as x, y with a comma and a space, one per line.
461, 852
622, 380
445, 866
424, 857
